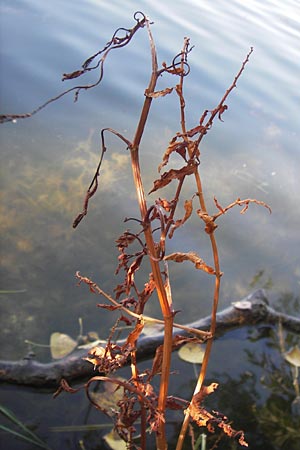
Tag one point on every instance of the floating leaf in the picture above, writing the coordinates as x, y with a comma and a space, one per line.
242, 304
151, 329
114, 441
292, 356
192, 353
61, 345
109, 397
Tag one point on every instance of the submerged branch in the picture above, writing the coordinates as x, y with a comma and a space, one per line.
249, 311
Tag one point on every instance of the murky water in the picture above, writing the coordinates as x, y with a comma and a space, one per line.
47, 161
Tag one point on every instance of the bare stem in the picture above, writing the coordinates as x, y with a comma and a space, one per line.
219, 110
161, 292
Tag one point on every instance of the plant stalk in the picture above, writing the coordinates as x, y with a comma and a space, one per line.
157, 276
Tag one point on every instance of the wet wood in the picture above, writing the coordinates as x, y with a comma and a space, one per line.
249, 311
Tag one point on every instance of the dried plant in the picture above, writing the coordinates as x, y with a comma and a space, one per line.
157, 224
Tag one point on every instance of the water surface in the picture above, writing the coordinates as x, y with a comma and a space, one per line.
47, 161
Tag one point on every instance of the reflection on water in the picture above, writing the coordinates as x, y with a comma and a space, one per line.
47, 162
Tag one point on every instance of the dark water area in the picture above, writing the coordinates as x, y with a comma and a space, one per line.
47, 163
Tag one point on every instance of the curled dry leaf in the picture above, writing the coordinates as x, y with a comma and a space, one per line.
70, 76
158, 93
211, 420
193, 257
210, 225
172, 174
133, 336
198, 129
178, 147
132, 269
222, 109
108, 307
188, 206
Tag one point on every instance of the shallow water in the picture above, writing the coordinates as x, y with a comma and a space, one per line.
47, 161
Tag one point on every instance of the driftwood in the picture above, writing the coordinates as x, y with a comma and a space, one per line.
251, 310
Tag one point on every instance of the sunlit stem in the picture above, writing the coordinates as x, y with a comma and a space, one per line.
214, 247
161, 292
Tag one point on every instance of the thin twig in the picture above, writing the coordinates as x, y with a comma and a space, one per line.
115, 43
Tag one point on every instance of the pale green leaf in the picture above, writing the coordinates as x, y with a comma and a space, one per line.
61, 345
292, 356
192, 353
114, 441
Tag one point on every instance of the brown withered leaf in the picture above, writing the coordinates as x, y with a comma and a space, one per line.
210, 225
222, 109
106, 359
172, 69
70, 76
172, 174
213, 419
158, 93
178, 340
173, 404
204, 418
157, 362
125, 240
219, 206
109, 307
193, 257
196, 130
120, 289
188, 206
125, 319
149, 288
132, 269
165, 204
133, 336
179, 147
